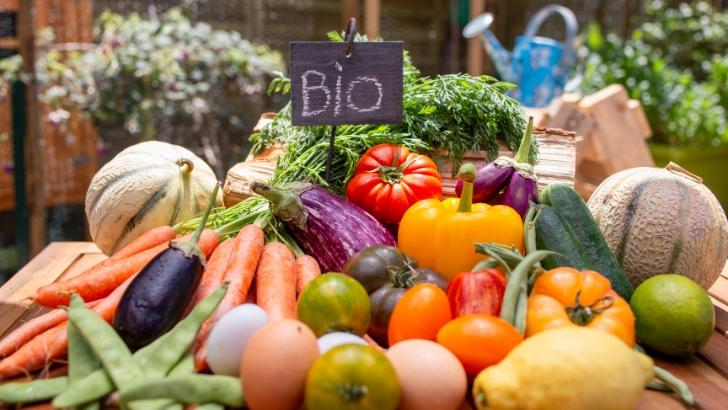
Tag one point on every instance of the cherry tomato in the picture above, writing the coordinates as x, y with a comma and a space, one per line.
419, 314
479, 340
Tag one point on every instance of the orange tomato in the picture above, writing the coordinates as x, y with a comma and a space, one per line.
479, 341
566, 297
419, 314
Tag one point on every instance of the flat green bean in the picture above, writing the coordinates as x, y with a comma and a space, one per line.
81, 358
198, 388
181, 337
186, 365
98, 384
210, 406
36, 390
108, 346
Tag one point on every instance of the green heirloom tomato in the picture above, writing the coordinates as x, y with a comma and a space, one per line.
334, 303
352, 377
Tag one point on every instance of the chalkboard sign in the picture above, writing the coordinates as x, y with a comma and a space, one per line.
330, 88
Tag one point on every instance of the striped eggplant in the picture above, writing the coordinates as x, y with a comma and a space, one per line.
329, 228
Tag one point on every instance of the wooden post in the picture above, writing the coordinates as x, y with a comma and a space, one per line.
349, 9
372, 18
475, 48
34, 141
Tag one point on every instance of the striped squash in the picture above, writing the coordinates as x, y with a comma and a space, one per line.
660, 221
146, 185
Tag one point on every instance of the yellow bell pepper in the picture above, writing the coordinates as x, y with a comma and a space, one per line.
440, 235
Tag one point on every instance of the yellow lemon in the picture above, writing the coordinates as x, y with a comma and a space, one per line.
571, 368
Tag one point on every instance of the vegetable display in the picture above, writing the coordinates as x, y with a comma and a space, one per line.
389, 179
307, 300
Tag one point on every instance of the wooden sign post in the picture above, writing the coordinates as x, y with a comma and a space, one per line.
350, 83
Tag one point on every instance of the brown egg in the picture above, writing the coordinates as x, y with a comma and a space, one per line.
275, 364
431, 377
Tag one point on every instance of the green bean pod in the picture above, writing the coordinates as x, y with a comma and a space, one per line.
98, 384
36, 390
185, 366
181, 337
210, 406
198, 388
513, 287
81, 358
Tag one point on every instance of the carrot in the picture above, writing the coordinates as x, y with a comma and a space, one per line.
250, 298
244, 259
307, 269
33, 328
53, 343
276, 282
97, 284
214, 271
150, 239
39, 351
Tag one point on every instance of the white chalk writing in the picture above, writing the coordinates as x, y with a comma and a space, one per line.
359, 80
306, 89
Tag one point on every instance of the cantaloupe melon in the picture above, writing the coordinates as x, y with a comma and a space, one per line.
146, 185
660, 221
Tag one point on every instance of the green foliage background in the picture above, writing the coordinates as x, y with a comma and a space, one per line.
676, 64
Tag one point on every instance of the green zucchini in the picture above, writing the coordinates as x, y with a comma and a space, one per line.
569, 204
554, 234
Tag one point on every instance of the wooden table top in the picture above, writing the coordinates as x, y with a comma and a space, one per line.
706, 373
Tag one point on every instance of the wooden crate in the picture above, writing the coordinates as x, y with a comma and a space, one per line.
706, 373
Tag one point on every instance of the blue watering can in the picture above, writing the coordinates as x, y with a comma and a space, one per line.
539, 66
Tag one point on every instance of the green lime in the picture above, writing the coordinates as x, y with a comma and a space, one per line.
675, 316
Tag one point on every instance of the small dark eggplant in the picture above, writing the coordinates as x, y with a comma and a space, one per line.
492, 178
160, 294
522, 186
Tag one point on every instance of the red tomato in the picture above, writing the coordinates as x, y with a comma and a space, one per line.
389, 179
419, 314
477, 292
479, 341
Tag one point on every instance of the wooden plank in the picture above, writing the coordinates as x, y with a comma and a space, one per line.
78, 266
720, 290
721, 317
45, 268
655, 400
623, 145
638, 113
567, 115
708, 386
715, 353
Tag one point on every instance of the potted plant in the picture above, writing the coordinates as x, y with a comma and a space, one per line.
676, 64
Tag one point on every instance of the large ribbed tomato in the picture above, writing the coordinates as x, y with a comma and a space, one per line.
389, 179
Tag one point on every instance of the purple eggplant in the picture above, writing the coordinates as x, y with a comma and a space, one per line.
159, 295
492, 178
522, 186
328, 228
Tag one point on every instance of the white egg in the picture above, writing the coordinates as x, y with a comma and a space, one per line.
332, 340
230, 337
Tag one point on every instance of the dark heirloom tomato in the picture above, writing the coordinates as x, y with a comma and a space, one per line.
389, 179
372, 267
386, 273
352, 377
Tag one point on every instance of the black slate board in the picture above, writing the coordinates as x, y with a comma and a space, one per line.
329, 88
